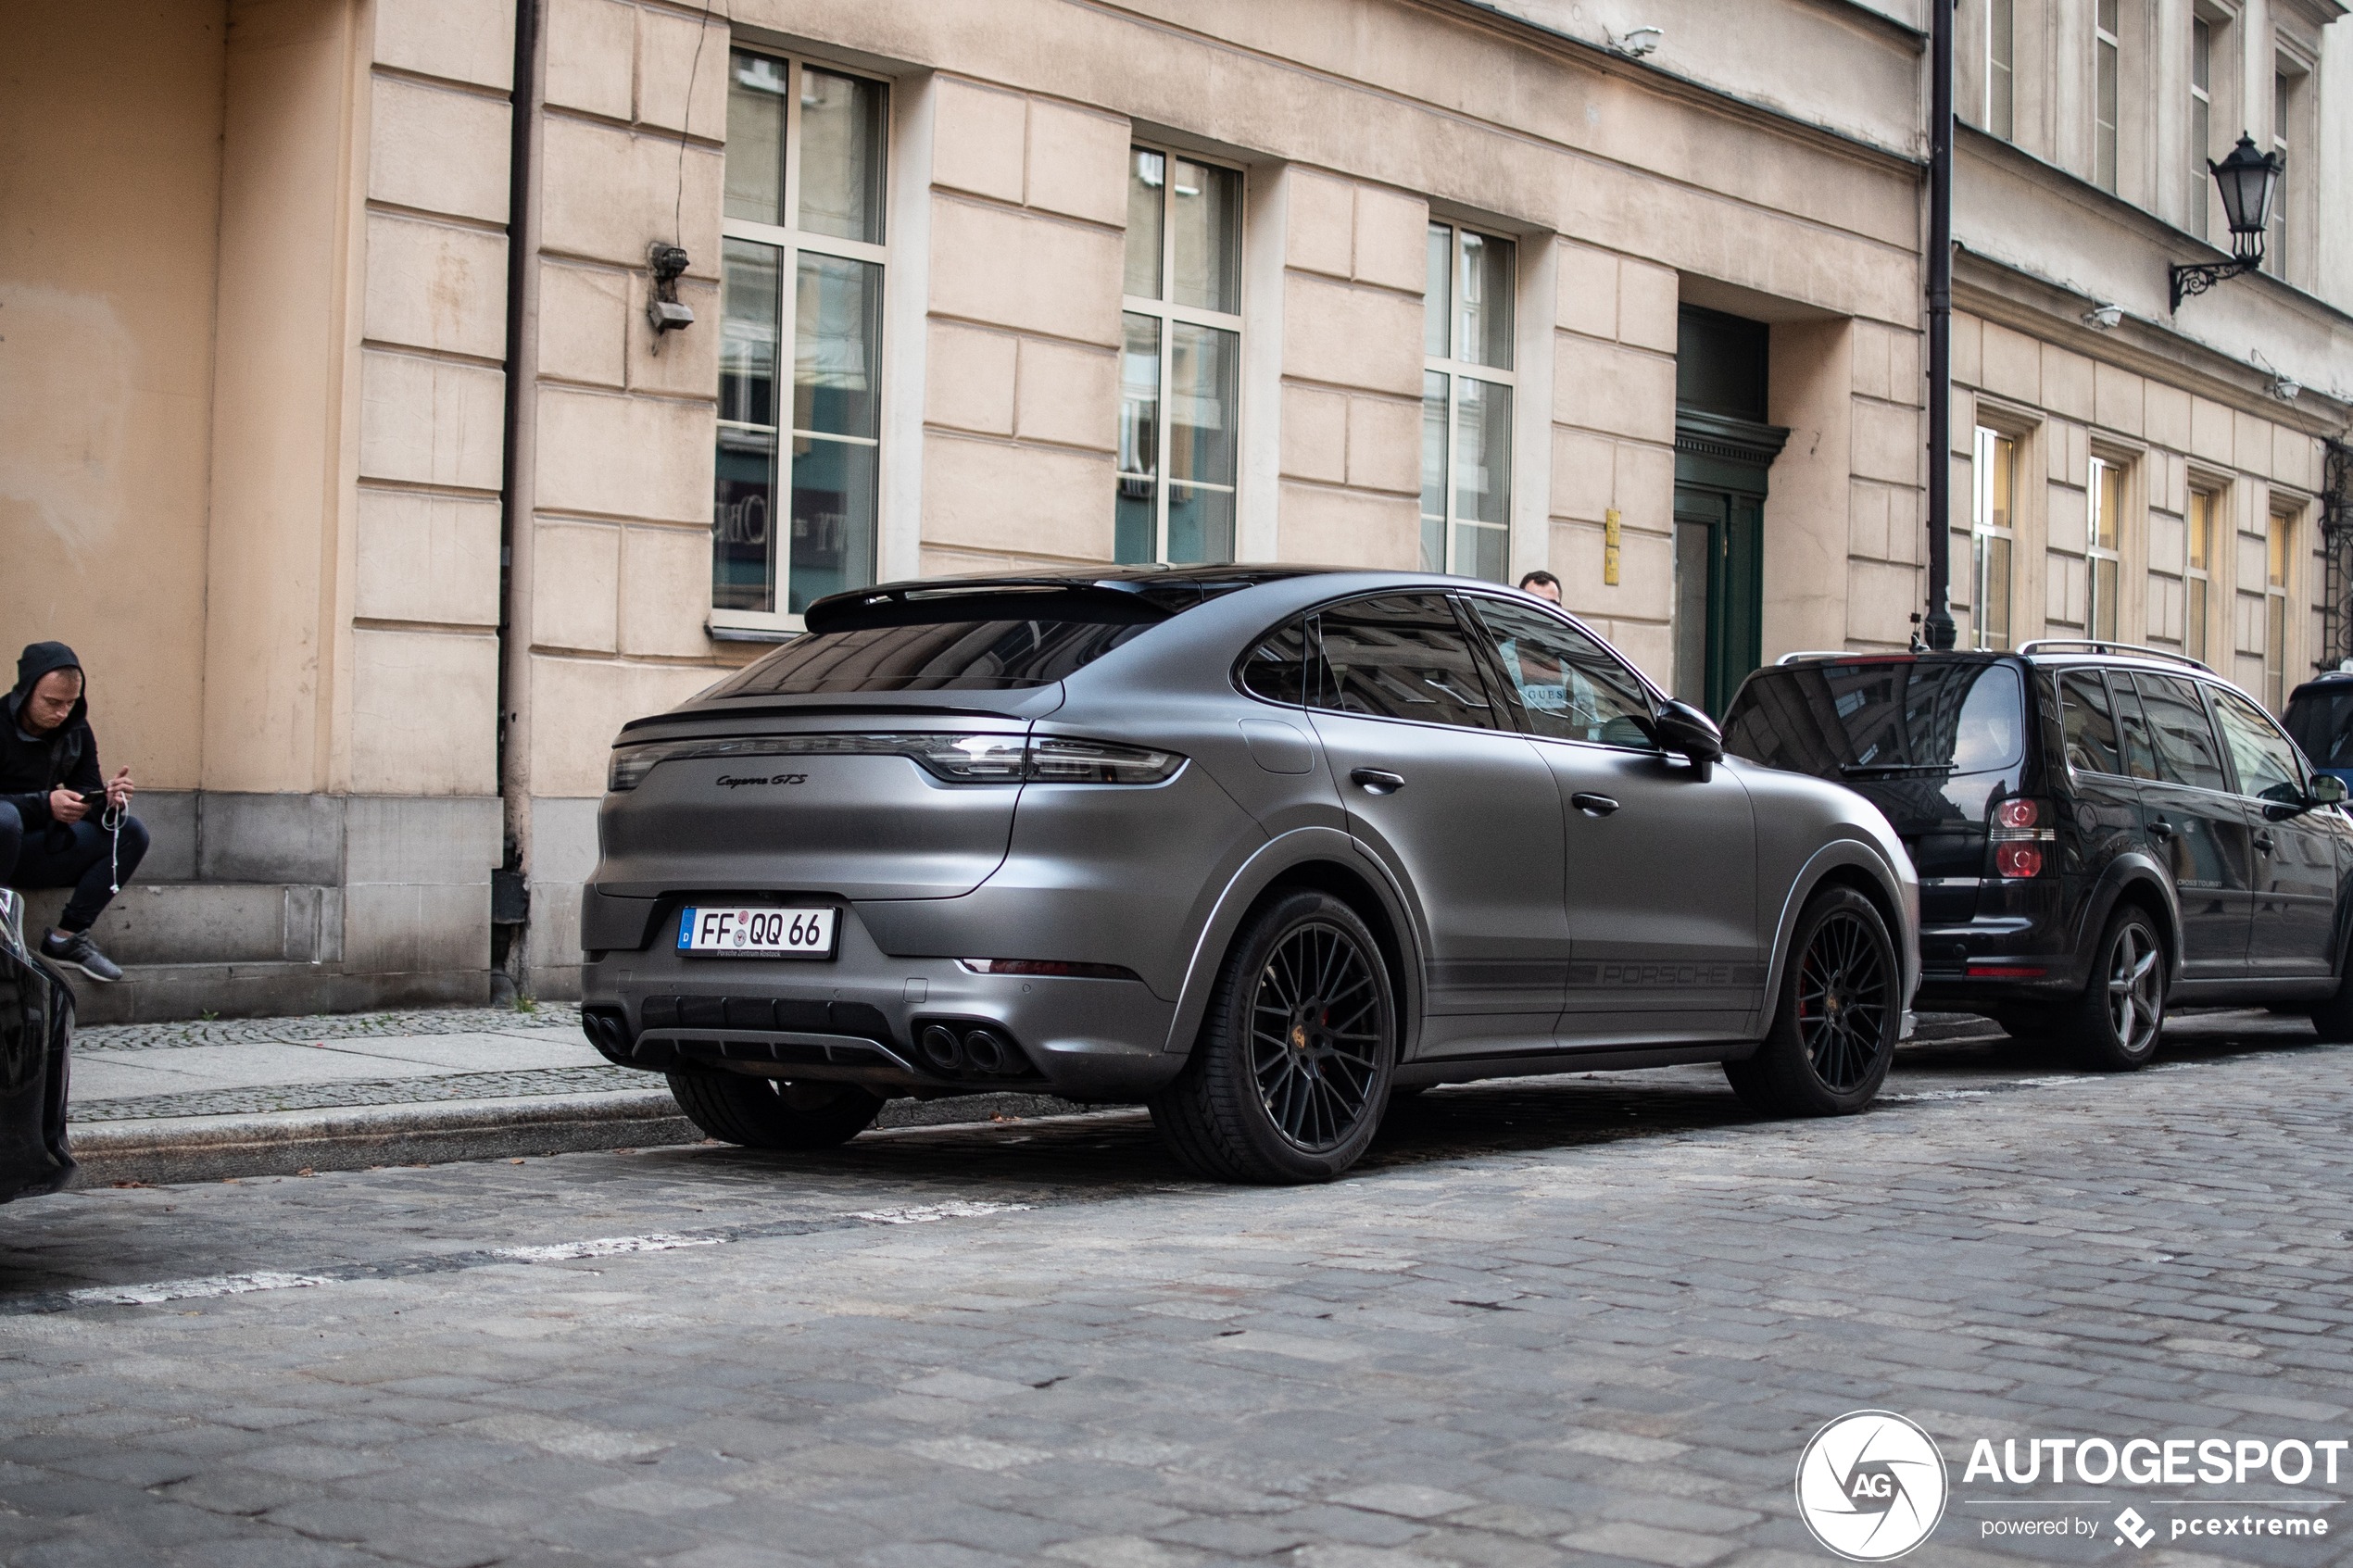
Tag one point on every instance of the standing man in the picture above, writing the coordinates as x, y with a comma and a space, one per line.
61, 825
1542, 584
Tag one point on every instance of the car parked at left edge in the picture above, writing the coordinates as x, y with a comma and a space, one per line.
36, 1032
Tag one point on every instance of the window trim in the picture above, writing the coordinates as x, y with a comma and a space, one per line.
2213, 492
2095, 552
2201, 110
740, 625
2108, 57
1983, 530
1456, 369
1167, 312
2279, 600
2001, 75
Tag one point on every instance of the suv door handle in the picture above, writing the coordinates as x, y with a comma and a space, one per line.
1593, 805
2264, 842
2161, 828
1377, 781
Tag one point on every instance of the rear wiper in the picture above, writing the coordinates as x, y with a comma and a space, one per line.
1882, 768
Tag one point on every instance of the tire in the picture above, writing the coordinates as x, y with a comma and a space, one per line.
1291, 1073
2332, 1020
1835, 1019
2115, 1027
771, 1114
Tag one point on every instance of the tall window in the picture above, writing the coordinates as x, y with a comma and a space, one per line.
1466, 404
2106, 531
2001, 67
2105, 91
1180, 363
1991, 534
2201, 123
2275, 587
2197, 556
793, 516
2282, 98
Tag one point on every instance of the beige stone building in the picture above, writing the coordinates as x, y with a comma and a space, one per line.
344, 444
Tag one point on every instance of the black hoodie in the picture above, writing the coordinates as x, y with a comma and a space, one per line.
67, 758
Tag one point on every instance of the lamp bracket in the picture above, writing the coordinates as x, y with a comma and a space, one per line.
2199, 277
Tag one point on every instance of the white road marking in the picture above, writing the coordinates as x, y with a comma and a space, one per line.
925, 1213
192, 1289
603, 1246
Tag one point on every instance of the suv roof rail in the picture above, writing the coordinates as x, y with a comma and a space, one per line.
1819, 653
2049, 644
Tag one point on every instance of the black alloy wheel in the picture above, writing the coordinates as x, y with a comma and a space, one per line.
1836, 1017
1315, 1038
1292, 1073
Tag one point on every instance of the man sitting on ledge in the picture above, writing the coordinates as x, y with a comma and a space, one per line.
60, 825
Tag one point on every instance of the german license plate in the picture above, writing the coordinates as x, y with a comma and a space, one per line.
709, 931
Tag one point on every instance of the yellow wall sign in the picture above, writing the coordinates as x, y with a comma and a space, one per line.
1609, 547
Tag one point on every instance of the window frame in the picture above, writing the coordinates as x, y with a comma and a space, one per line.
2198, 580
1168, 314
1985, 446
1318, 682
2279, 590
2201, 62
2108, 73
2220, 698
2001, 68
1456, 369
2097, 554
790, 239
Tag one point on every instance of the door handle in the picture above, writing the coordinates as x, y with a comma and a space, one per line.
1592, 805
2161, 828
1377, 781
2264, 842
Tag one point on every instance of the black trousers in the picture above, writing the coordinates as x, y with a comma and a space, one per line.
96, 861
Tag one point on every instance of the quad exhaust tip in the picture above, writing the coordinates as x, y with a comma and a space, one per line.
981, 1051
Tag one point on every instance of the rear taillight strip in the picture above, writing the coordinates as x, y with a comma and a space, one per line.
959, 758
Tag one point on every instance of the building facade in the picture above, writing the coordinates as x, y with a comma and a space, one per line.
373, 466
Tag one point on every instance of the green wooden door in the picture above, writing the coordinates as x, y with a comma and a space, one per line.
1720, 595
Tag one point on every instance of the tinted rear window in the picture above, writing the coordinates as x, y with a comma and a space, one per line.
1882, 718
939, 657
2320, 719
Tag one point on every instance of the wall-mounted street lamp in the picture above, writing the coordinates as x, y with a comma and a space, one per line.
2248, 181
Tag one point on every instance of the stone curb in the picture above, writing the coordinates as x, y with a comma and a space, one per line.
162, 1150
283, 1143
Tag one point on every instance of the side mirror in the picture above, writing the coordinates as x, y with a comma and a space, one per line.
1685, 728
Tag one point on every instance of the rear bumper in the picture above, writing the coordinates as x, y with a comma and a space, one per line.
860, 1018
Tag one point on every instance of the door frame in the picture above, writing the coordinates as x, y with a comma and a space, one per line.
1720, 464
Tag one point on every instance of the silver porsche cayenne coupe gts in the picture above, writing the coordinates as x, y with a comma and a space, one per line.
1261, 847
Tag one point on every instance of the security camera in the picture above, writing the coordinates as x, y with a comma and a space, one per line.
1635, 45
2102, 317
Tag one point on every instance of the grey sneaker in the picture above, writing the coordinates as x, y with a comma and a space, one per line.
82, 953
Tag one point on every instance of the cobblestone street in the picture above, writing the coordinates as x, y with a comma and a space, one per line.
1582, 1320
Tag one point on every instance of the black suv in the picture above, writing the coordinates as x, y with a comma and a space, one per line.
2097, 828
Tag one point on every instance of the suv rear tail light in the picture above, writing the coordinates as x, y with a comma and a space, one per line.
2019, 841
952, 758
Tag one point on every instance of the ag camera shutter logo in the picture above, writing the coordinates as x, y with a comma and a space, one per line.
1870, 1485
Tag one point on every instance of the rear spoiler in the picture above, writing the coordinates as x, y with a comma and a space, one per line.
1113, 603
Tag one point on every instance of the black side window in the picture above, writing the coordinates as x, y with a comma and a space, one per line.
2088, 723
2186, 753
1563, 683
1277, 668
2140, 745
1400, 656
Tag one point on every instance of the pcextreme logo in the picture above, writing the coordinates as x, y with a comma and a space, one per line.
1870, 1485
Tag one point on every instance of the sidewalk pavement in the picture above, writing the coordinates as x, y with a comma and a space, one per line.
200, 1101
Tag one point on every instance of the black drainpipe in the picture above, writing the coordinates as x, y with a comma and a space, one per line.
509, 892
1937, 630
